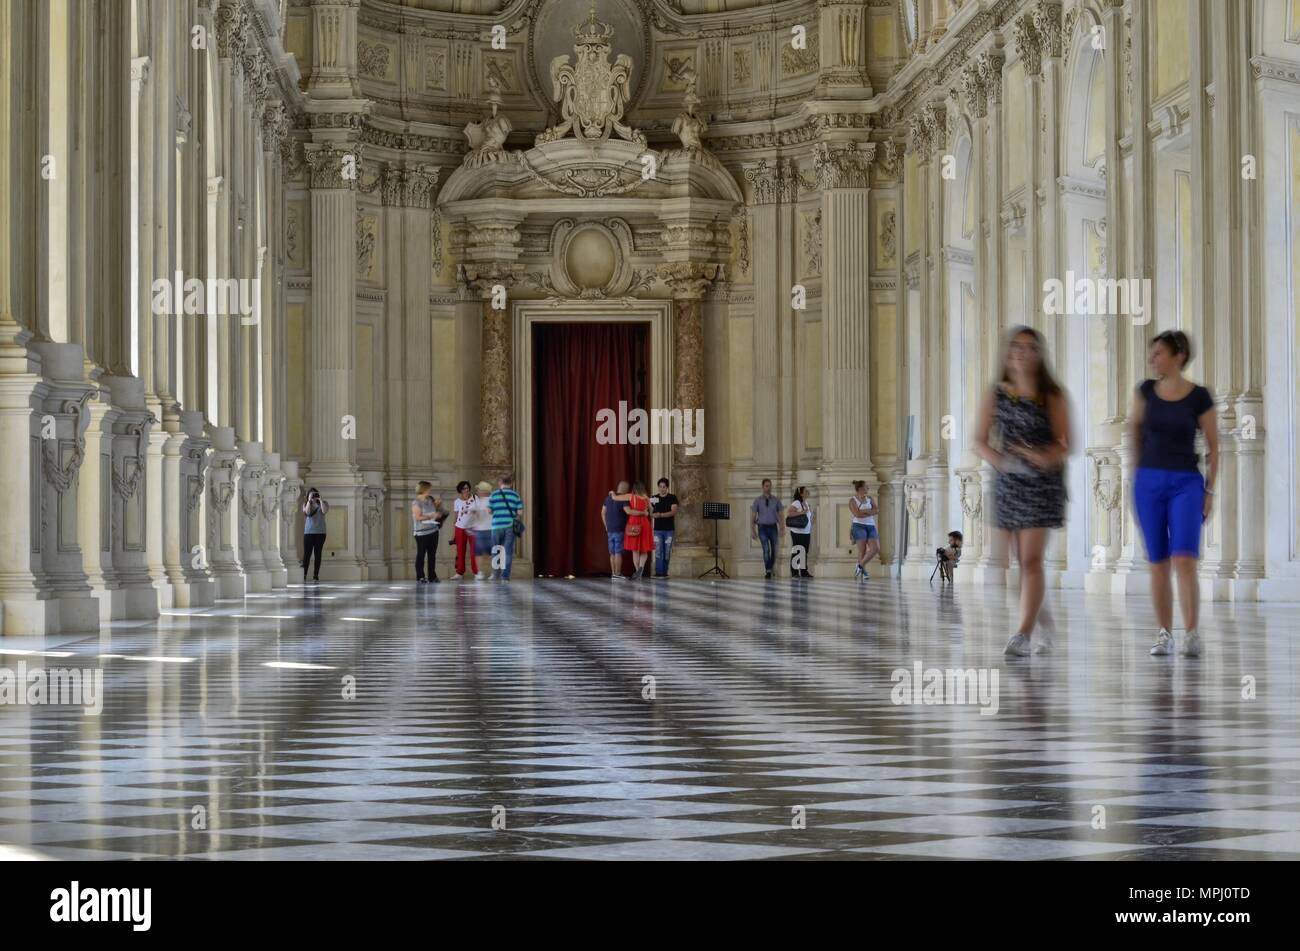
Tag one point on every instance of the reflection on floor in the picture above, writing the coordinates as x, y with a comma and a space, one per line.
658, 720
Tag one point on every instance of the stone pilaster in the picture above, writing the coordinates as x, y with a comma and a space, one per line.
688, 282
43, 420
335, 169
492, 281
248, 517
291, 491
842, 34
268, 525
221, 525
843, 175
112, 511
189, 583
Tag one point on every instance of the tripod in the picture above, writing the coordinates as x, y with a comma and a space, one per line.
940, 568
716, 512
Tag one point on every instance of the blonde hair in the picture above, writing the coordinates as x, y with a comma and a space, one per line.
483, 487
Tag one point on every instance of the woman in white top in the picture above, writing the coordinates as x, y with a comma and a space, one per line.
799, 519
479, 523
464, 540
863, 530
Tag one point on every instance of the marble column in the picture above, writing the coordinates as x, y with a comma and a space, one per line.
843, 176
333, 407
496, 401
988, 566
688, 281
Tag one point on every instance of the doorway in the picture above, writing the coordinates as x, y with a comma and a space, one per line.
578, 370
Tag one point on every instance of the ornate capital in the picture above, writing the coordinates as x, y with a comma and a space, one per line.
410, 187
990, 69
843, 166
483, 276
232, 26
1028, 45
975, 89
275, 125
763, 182
1049, 27
688, 280
332, 167
918, 136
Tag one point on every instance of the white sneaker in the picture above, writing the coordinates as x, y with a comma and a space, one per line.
1018, 646
1192, 644
613, 577
455, 577
1164, 644
480, 576
1042, 642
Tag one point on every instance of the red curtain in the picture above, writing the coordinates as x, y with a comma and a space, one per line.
579, 369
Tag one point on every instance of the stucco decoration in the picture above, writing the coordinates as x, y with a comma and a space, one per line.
592, 92
551, 37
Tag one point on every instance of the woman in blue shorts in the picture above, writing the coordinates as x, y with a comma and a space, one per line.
862, 530
1172, 498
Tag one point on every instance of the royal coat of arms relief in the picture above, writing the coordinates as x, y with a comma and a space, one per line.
592, 92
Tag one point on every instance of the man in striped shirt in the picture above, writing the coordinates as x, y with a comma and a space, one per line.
506, 506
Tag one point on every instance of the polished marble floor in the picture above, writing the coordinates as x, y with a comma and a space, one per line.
656, 720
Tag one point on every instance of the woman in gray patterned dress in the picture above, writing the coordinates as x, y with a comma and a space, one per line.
1024, 432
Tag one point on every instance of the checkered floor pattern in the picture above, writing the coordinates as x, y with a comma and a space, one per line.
604, 719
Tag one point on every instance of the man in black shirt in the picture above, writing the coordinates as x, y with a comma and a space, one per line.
663, 508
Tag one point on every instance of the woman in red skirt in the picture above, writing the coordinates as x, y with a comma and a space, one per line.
638, 537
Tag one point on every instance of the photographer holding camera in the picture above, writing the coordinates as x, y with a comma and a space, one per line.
313, 532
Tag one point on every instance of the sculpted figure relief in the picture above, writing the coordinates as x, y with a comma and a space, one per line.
487, 139
591, 92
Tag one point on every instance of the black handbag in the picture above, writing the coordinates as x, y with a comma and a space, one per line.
797, 521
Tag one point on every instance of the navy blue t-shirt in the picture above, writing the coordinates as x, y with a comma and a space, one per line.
1169, 428
615, 517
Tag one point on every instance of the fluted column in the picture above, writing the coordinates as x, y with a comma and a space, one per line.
843, 175
772, 192
333, 409
988, 564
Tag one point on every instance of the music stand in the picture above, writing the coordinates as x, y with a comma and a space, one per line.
716, 512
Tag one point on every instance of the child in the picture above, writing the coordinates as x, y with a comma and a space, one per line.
948, 557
